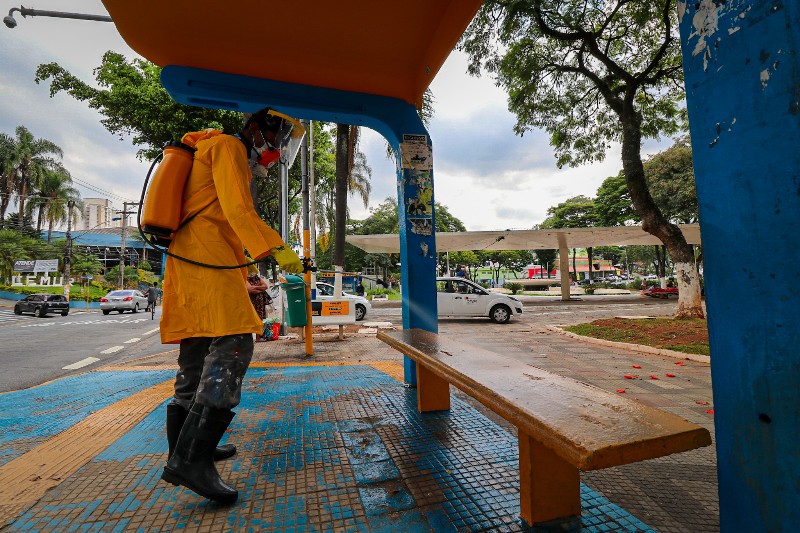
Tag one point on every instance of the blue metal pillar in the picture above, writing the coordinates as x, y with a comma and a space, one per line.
395, 119
742, 76
417, 232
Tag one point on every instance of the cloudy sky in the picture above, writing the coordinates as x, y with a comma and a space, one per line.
484, 174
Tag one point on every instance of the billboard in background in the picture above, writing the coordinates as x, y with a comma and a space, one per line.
36, 265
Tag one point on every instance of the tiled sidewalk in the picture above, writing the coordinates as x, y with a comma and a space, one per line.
334, 443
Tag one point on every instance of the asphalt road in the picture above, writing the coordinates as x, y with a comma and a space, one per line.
34, 350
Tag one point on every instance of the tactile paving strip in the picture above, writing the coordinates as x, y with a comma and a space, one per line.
321, 449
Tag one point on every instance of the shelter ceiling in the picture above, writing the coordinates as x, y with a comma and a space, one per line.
384, 48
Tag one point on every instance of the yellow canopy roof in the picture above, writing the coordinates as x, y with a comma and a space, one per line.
376, 47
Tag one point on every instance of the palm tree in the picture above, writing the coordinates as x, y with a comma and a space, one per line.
7, 174
30, 158
56, 192
353, 173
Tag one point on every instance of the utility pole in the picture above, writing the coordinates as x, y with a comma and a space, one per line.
68, 252
124, 213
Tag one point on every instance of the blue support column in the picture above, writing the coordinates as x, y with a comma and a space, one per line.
417, 231
395, 119
743, 94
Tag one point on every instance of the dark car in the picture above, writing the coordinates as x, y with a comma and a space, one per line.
41, 304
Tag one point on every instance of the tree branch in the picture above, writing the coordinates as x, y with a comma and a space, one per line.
665, 16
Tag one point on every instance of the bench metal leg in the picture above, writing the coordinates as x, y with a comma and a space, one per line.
433, 393
549, 486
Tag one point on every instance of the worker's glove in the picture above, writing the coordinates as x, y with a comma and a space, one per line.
287, 259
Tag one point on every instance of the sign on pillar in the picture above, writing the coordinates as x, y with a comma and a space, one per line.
417, 238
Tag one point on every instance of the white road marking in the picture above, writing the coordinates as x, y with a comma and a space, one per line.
131, 341
80, 364
113, 349
151, 331
85, 322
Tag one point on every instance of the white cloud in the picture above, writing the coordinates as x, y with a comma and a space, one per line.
91, 153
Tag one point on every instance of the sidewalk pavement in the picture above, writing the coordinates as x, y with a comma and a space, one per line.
333, 442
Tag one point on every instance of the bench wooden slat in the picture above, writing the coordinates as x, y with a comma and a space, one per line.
586, 426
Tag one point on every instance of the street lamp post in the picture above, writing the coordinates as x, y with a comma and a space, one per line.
11, 22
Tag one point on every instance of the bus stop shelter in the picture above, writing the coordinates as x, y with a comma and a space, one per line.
368, 64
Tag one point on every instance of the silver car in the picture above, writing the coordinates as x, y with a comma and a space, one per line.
124, 300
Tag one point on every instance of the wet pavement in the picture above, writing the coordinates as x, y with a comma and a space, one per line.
333, 442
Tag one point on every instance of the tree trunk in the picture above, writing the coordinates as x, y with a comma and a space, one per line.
653, 221
574, 265
22, 194
342, 176
590, 260
5, 200
40, 219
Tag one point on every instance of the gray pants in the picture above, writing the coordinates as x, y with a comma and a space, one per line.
211, 369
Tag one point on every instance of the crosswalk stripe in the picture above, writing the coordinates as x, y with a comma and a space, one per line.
80, 364
113, 349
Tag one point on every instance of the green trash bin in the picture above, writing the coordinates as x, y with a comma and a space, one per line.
295, 292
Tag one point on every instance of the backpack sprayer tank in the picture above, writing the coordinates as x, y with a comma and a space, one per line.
161, 214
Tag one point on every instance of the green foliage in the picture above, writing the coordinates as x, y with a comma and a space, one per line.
589, 289
575, 212
384, 219
132, 101
16, 245
131, 276
613, 205
615, 254
391, 293
513, 287
670, 180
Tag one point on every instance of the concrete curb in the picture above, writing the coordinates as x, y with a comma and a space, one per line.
633, 347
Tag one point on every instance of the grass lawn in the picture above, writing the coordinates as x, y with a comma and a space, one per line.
687, 336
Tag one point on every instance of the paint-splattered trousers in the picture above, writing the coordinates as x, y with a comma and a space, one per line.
211, 369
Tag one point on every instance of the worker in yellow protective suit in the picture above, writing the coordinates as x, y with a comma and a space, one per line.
208, 311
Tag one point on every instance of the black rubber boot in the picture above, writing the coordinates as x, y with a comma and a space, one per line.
176, 416
192, 462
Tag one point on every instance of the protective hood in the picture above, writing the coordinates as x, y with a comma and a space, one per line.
194, 137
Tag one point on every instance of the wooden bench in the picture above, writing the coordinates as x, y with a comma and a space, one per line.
564, 425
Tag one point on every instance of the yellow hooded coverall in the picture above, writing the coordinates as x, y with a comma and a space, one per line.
205, 302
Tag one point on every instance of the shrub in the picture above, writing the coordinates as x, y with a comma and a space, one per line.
513, 287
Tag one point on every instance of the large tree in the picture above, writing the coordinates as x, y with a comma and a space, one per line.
132, 101
593, 73
613, 204
56, 192
30, 159
670, 179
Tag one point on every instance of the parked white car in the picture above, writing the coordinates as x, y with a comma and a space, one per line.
458, 297
325, 292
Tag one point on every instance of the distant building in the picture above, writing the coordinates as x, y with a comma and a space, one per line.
97, 213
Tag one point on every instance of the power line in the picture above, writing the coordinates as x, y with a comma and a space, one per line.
102, 191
